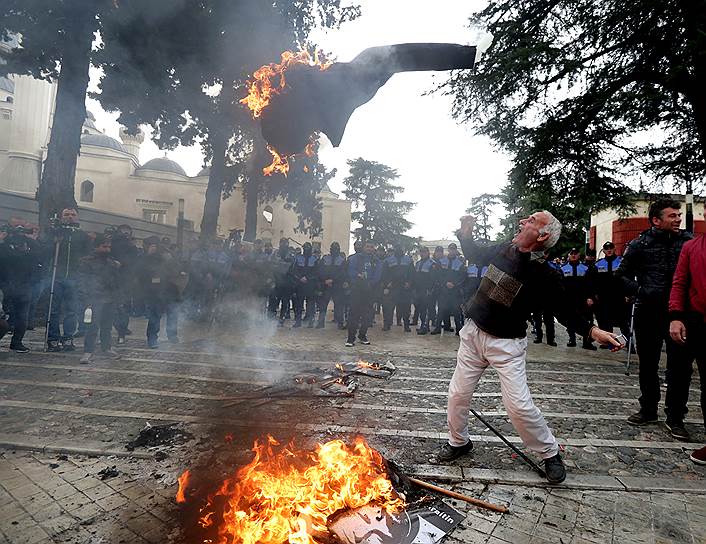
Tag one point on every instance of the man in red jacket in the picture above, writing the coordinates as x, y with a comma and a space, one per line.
687, 315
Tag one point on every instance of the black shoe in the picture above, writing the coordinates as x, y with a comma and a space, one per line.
422, 331
589, 347
603, 346
68, 345
554, 469
436, 331
350, 343
448, 329
30, 327
537, 340
639, 418
571, 344
449, 453
678, 431
297, 324
19, 348
551, 343
54, 346
364, 340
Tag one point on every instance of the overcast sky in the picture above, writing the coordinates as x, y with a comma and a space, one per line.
441, 164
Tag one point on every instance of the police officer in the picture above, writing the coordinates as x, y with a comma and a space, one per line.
544, 313
611, 308
577, 291
332, 274
305, 273
397, 275
281, 261
472, 281
453, 274
364, 272
423, 289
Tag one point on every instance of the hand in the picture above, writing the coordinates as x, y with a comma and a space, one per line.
606, 338
303, 279
589, 302
677, 330
467, 224
450, 285
329, 283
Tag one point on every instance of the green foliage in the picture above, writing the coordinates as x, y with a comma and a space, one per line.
382, 219
588, 96
482, 209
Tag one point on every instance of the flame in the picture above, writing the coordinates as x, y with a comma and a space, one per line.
366, 364
285, 495
183, 483
270, 80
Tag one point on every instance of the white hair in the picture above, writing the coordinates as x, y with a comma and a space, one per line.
553, 228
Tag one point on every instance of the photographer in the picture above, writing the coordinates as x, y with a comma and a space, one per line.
73, 245
646, 272
18, 268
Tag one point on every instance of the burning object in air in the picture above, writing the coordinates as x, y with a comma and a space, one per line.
303, 95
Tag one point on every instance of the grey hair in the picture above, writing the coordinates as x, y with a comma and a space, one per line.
553, 228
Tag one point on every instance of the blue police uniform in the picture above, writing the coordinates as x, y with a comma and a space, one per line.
397, 274
453, 271
611, 308
424, 292
305, 274
576, 285
364, 273
332, 268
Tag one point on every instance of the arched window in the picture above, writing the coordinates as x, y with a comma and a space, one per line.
87, 191
10, 100
268, 214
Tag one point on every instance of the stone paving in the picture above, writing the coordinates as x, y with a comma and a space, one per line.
62, 423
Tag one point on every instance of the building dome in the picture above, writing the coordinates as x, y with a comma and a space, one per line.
163, 164
205, 171
102, 140
89, 115
7, 85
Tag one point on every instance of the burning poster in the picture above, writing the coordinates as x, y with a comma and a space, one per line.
373, 524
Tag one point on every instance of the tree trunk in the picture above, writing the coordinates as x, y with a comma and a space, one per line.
252, 199
214, 191
56, 188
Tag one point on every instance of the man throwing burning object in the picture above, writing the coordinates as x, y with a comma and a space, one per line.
495, 334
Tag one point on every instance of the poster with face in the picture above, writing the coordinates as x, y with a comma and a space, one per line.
372, 524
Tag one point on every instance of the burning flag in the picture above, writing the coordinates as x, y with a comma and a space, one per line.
302, 96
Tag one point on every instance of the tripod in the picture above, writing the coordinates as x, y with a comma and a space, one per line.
55, 264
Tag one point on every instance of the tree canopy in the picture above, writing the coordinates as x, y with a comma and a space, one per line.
588, 96
482, 209
382, 219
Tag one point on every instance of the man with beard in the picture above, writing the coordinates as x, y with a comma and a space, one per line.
332, 274
495, 334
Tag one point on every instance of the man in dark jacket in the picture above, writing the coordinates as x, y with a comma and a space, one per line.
646, 271
18, 269
423, 289
495, 334
126, 253
576, 286
364, 272
334, 281
98, 274
452, 274
74, 244
158, 278
610, 307
397, 273
305, 279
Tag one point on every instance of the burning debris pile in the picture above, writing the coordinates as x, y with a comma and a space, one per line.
337, 382
337, 493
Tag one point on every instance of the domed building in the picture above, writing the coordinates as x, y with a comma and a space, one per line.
110, 178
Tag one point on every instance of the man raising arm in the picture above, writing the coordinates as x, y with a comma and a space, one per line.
495, 334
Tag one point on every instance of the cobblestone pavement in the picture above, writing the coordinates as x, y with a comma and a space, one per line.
62, 423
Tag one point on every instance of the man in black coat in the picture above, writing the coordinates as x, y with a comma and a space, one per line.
646, 271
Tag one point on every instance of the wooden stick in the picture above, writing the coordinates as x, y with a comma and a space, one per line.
459, 496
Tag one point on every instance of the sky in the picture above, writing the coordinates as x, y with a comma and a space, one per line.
441, 164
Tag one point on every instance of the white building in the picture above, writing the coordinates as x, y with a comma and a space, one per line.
111, 178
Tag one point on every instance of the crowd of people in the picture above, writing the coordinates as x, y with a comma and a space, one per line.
89, 284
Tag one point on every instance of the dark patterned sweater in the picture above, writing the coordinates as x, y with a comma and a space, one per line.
515, 285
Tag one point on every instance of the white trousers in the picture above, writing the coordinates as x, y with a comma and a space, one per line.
477, 351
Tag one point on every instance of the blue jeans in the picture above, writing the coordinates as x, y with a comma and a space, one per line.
154, 317
66, 301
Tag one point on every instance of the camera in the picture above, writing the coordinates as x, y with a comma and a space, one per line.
18, 230
57, 227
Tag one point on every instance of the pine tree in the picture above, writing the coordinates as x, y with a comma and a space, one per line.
382, 219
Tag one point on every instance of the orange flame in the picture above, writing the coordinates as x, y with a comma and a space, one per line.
285, 495
183, 483
270, 80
